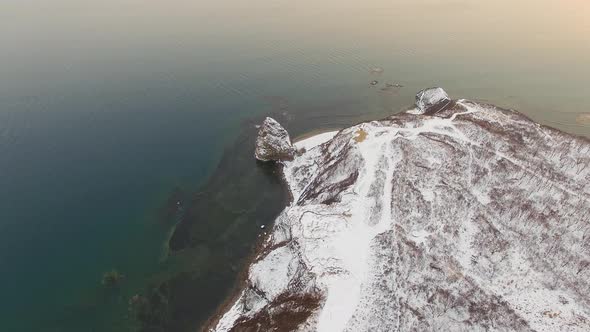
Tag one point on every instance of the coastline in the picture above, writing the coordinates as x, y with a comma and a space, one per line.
242, 276
314, 138
307, 140
313, 133
236, 292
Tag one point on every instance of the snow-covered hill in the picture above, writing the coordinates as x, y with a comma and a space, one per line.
462, 217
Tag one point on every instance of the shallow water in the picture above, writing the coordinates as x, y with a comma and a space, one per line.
108, 109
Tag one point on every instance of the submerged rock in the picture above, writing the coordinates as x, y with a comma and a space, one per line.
273, 142
432, 100
470, 219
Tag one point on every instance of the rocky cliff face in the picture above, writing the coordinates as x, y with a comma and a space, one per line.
465, 218
431, 101
273, 142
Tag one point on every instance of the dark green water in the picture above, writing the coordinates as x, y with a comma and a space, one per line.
112, 112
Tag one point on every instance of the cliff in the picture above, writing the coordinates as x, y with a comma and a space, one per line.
454, 216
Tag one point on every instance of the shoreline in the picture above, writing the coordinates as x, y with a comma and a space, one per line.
485, 126
304, 141
241, 279
313, 133
314, 137
236, 292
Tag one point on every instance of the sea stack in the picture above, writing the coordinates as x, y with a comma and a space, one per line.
273, 142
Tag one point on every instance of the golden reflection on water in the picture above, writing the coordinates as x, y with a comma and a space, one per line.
533, 55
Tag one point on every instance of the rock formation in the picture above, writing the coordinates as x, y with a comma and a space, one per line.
273, 142
432, 100
472, 218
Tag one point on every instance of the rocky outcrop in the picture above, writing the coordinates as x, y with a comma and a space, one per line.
273, 142
432, 100
470, 218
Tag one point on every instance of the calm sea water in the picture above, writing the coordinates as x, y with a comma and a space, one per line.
107, 108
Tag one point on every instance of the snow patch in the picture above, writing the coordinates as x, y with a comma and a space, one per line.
313, 141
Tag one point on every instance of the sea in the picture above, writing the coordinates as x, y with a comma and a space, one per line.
127, 130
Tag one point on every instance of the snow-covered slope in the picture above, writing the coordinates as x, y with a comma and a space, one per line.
469, 219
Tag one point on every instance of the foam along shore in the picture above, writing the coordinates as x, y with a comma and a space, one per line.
456, 216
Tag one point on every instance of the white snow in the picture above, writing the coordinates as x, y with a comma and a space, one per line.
268, 274
420, 236
463, 197
313, 141
227, 320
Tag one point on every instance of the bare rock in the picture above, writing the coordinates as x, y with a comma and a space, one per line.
432, 100
273, 142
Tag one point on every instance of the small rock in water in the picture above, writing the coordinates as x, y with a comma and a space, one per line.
391, 87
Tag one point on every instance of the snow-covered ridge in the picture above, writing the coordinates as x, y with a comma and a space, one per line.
466, 218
